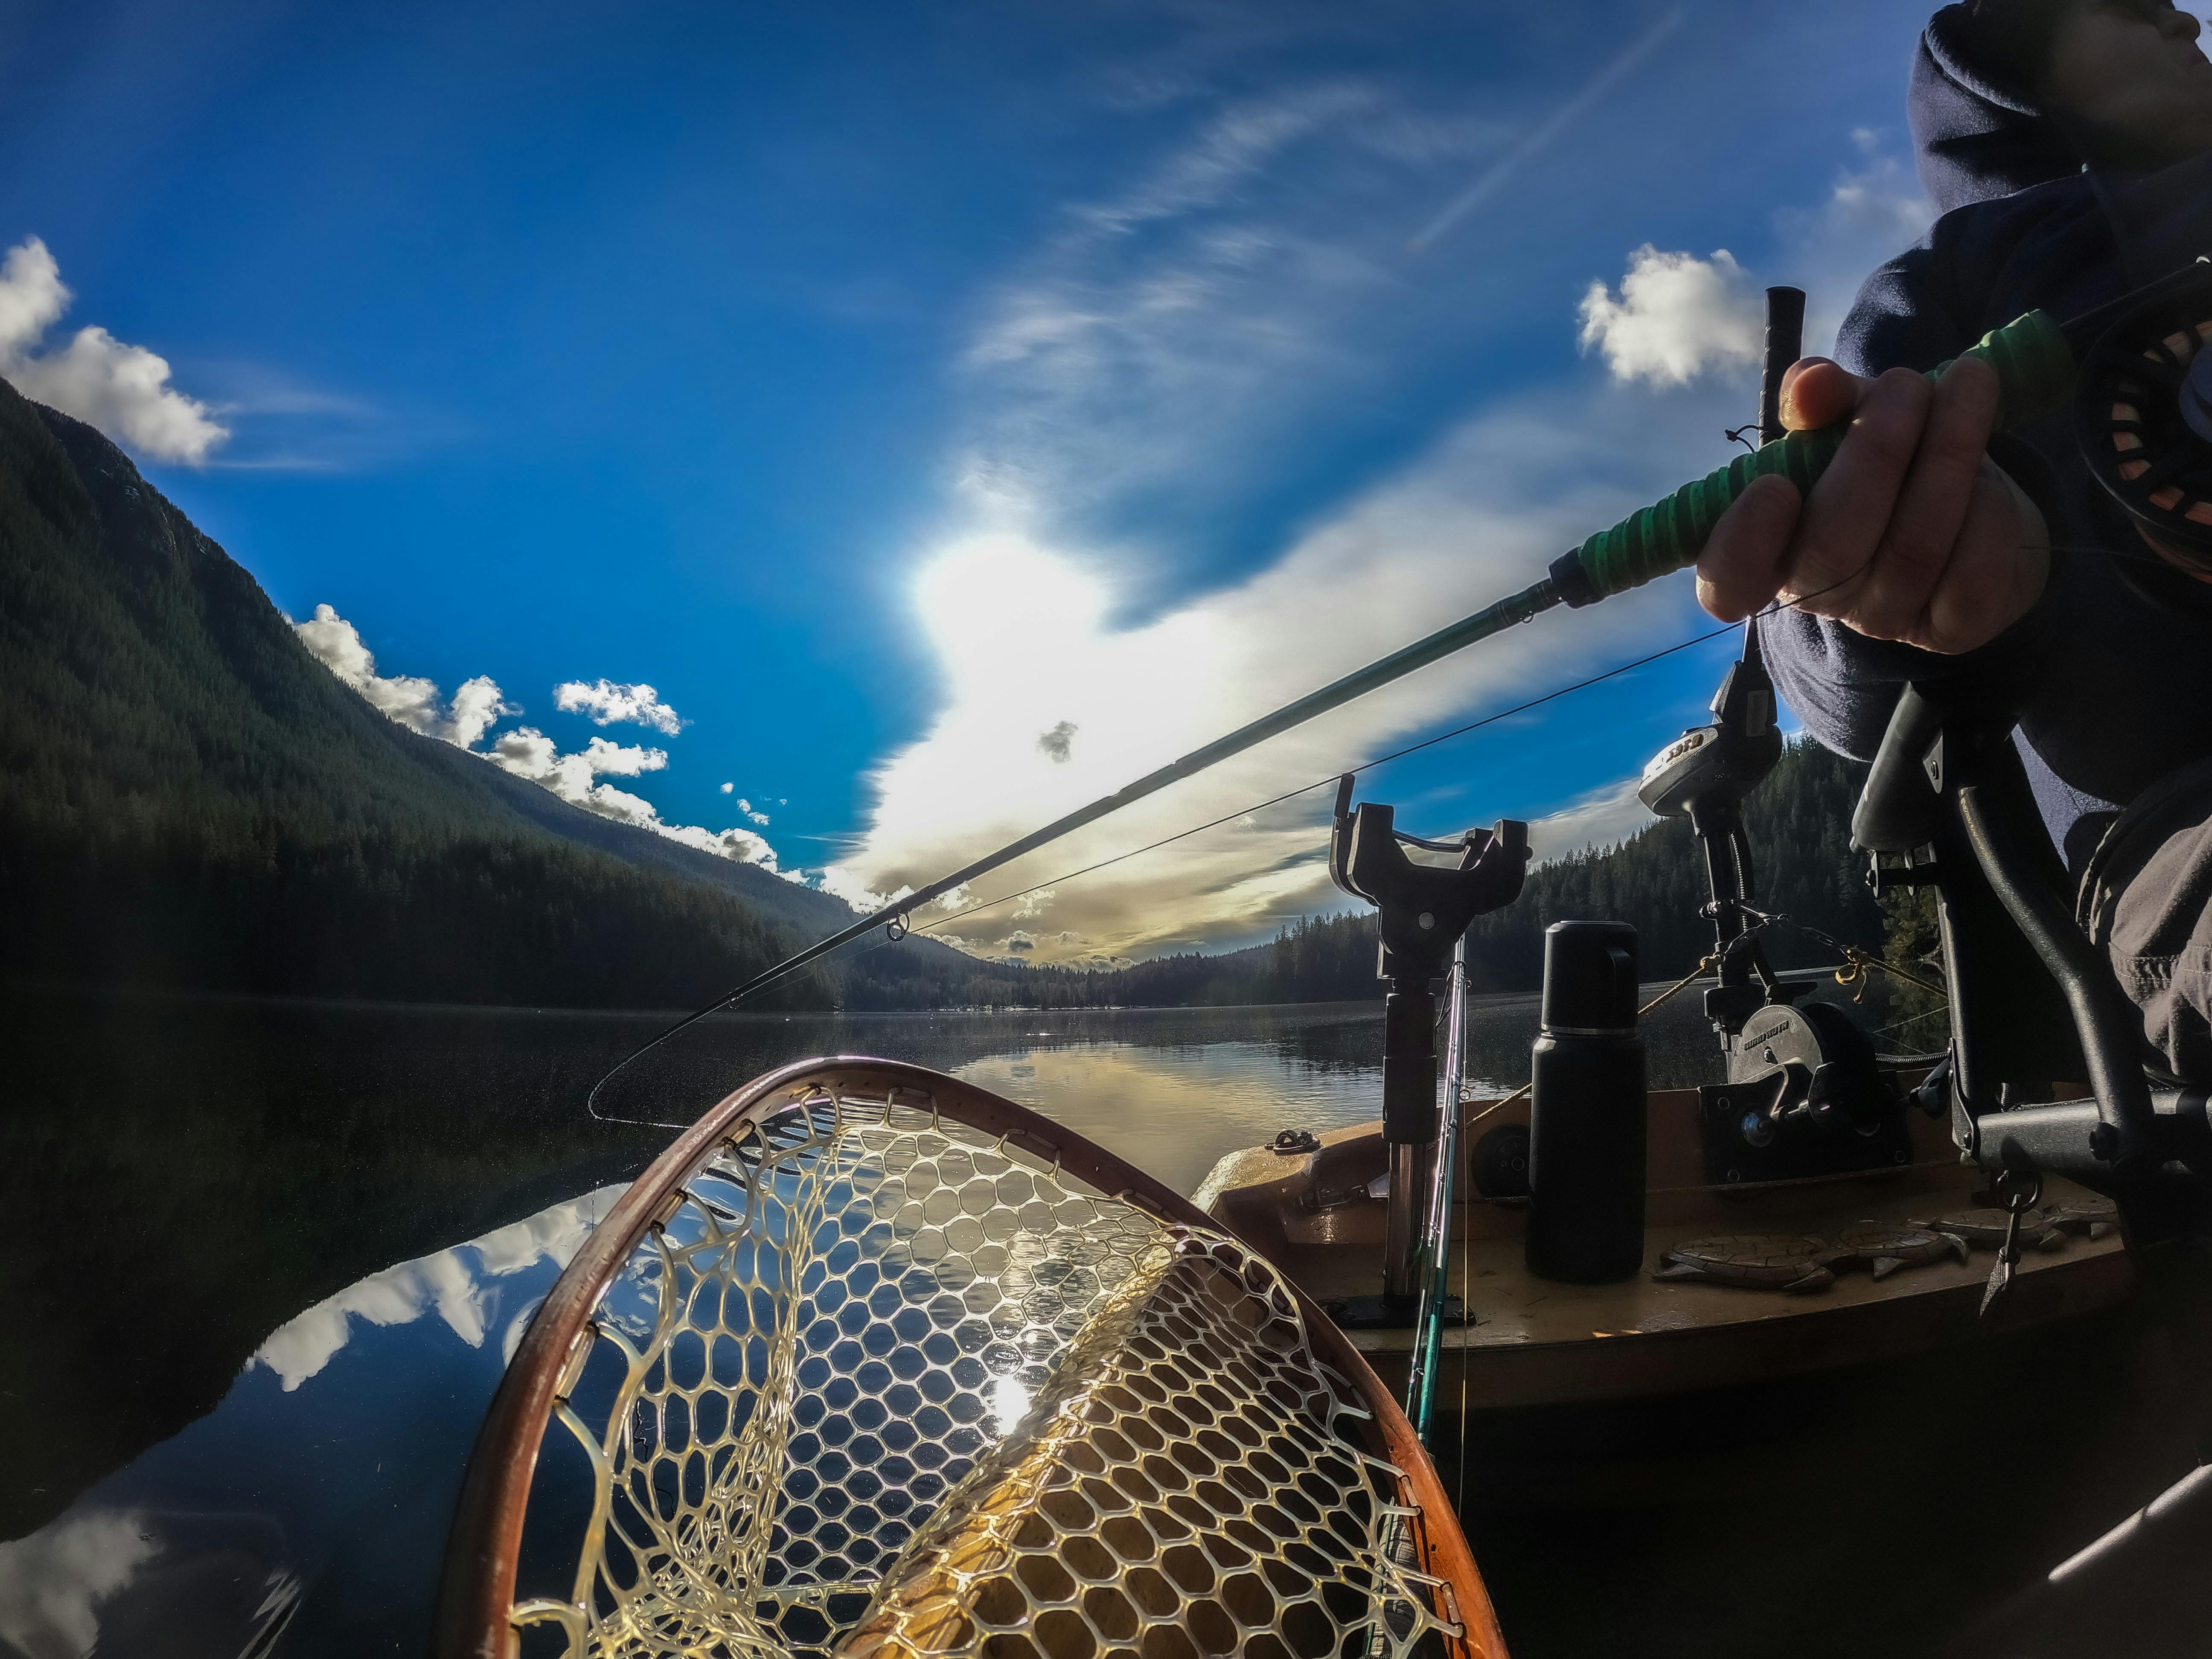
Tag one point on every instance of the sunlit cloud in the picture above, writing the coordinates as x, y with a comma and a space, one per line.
1605, 817
1676, 317
122, 389
1481, 513
1165, 336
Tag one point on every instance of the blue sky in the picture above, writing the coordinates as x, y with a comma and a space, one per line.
888, 387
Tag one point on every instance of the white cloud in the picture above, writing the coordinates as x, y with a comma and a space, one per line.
1677, 317
53, 1582
606, 703
122, 389
729, 788
752, 814
1171, 340
32, 297
415, 703
526, 752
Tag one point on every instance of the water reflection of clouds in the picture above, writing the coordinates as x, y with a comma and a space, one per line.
147, 1558
53, 1583
450, 1283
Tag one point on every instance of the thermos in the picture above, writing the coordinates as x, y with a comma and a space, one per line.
1586, 1110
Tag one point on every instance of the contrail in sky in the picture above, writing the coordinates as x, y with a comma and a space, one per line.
1549, 130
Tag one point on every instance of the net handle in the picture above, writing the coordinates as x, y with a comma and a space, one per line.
475, 1590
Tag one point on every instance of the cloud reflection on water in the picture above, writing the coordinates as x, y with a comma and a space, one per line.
444, 1283
155, 1548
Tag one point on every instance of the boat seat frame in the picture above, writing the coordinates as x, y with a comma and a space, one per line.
2037, 1014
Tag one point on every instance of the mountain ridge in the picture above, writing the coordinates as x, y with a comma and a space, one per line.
193, 800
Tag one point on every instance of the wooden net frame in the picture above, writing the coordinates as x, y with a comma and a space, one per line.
874, 1362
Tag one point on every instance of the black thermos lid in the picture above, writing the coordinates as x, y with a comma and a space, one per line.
1590, 976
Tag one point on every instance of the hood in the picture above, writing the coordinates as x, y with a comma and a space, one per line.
1975, 136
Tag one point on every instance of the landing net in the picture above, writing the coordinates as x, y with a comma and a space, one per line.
876, 1386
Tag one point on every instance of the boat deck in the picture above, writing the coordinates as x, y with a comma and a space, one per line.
1538, 1342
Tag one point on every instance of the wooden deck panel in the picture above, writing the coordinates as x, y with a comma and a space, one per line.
1538, 1341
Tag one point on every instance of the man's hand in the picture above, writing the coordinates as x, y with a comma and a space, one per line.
1912, 534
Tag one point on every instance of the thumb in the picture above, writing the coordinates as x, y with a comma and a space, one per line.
1816, 392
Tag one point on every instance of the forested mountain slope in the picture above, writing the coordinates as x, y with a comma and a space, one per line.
188, 798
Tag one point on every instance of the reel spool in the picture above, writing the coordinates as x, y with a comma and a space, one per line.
2143, 415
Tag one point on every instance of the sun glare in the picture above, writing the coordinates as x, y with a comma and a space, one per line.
992, 601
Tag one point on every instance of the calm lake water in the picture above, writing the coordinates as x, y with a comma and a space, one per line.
264, 1261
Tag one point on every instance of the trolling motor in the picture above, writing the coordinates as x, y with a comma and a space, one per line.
1804, 1094
1422, 910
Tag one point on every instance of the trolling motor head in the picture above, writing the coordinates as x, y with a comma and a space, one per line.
1422, 908
1717, 765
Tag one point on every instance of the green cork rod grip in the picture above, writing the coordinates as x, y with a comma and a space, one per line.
2035, 371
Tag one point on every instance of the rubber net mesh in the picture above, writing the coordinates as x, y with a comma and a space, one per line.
877, 1387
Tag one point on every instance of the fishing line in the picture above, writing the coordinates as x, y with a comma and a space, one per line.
747, 991
591, 1101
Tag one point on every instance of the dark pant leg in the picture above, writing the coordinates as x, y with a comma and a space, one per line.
2146, 900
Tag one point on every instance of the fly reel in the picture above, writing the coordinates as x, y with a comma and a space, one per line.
2143, 413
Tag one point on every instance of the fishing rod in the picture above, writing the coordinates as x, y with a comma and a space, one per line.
2144, 420
1334, 779
2034, 366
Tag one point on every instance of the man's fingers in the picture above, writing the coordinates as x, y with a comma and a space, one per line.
1850, 506
1996, 570
1924, 525
1743, 562
1816, 392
